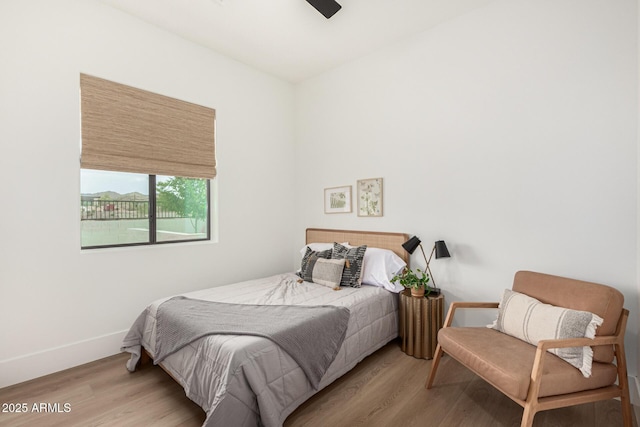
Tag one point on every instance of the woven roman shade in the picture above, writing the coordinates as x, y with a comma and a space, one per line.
126, 129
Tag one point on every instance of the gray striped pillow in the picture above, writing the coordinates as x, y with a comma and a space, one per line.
326, 272
305, 259
530, 320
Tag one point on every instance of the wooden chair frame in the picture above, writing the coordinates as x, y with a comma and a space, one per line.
533, 403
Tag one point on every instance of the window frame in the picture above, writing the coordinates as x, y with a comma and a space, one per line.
153, 241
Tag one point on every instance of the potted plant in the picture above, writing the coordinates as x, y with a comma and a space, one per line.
417, 281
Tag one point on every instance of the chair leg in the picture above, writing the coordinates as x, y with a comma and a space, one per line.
623, 383
527, 416
627, 418
434, 366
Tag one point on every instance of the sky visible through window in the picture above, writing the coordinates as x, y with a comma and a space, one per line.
96, 181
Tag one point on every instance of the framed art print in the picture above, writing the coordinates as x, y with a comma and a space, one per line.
337, 199
370, 197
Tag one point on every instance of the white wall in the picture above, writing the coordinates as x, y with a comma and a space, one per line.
509, 132
60, 306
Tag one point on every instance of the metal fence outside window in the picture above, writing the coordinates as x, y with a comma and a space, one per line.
120, 209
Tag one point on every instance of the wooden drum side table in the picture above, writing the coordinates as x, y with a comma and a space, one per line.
420, 321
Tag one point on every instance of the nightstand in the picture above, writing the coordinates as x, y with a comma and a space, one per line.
420, 321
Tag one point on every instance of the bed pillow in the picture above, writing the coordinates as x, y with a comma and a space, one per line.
318, 247
530, 320
326, 272
326, 254
379, 266
354, 257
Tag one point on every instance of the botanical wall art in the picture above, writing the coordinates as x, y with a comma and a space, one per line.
337, 199
370, 197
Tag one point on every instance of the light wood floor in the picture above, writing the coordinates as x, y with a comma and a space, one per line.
386, 389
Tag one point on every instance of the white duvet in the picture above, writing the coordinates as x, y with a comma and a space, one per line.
248, 380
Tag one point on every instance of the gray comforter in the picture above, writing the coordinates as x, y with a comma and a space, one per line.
301, 331
248, 380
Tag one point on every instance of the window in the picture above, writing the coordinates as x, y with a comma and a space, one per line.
146, 166
182, 209
115, 209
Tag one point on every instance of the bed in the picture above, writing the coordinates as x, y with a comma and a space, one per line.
248, 380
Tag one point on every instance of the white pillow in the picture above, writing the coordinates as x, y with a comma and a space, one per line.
379, 267
318, 247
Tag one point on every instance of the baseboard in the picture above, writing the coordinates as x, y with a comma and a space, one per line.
34, 365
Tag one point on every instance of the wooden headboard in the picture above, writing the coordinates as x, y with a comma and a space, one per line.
377, 239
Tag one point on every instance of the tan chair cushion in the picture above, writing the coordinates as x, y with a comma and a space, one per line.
506, 362
602, 300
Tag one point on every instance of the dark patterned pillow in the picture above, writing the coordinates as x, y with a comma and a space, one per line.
304, 264
353, 263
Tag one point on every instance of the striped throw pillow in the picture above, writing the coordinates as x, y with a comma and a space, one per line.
325, 272
304, 264
530, 320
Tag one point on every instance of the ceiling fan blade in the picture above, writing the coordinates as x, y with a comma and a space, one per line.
326, 7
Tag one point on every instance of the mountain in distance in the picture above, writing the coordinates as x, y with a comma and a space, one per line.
112, 195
